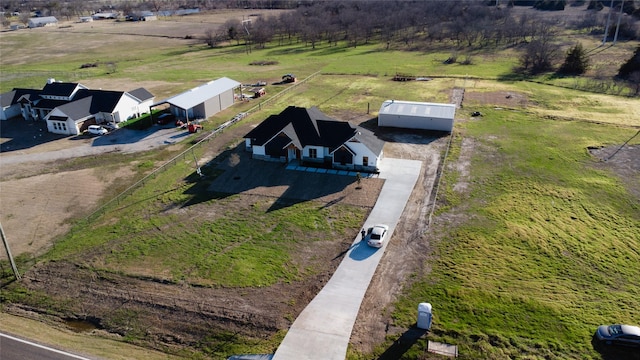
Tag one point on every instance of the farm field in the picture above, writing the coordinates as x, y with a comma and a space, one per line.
533, 242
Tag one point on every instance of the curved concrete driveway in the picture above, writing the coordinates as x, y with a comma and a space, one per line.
323, 329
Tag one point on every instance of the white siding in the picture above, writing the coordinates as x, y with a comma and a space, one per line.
360, 152
259, 150
416, 115
10, 111
126, 108
68, 127
143, 107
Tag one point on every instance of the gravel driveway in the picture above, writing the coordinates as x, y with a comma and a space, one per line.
29, 142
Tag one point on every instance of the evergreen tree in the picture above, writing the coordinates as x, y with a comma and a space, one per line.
632, 65
576, 62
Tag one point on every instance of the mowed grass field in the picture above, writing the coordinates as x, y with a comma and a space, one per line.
544, 247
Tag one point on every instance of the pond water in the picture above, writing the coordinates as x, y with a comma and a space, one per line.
81, 325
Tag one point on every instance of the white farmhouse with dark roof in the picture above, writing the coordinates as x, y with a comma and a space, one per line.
314, 139
417, 115
203, 101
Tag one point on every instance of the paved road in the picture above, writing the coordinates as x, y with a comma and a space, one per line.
12, 348
323, 329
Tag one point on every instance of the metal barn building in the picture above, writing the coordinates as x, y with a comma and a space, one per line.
203, 101
417, 115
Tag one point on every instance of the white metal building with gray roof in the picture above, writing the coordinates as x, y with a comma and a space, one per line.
42, 21
203, 101
417, 115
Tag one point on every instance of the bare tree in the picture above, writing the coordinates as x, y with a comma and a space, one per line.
261, 32
24, 18
4, 21
211, 37
542, 51
156, 5
233, 30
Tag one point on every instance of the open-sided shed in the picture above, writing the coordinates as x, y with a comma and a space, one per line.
417, 115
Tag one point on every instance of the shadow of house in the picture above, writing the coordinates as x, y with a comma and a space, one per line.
239, 174
402, 135
131, 136
24, 135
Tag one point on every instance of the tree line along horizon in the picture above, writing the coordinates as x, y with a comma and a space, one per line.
464, 25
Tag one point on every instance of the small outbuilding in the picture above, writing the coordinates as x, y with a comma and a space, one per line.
417, 115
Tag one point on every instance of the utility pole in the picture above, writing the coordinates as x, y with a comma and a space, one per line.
606, 28
6, 247
246, 29
615, 37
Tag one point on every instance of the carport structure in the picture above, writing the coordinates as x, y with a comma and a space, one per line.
203, 101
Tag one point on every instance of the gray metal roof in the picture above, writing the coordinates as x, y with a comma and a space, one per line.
418, 109
202, 93
43, 20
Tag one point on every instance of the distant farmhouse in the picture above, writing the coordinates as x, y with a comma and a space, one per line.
203, 101
42, 21
69, 108
104, 15
312, 138
417, 115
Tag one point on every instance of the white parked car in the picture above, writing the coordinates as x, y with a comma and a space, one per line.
619, 334
377, 235
97, 130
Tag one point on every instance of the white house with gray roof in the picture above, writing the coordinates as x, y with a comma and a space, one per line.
417, 115
92, 107
203, 101
69, 108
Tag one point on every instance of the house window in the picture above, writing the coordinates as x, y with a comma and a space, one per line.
365, 160
313, 153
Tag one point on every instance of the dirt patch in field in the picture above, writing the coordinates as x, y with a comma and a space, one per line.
507, 99
624, 161
37, 209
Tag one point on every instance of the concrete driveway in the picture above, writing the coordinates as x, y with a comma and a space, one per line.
323, 329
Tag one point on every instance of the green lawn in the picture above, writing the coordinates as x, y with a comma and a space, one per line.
549, 250
232, 245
